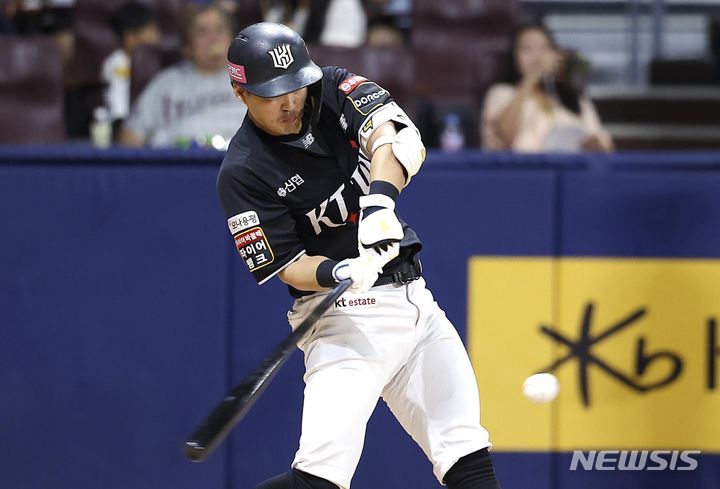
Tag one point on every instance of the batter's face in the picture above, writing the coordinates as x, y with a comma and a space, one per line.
531, 51
277, 116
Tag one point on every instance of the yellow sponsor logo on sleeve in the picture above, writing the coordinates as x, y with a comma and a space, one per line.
635, 344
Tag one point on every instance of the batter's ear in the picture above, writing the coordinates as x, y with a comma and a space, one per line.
239, 92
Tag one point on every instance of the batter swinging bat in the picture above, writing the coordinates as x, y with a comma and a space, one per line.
213, 430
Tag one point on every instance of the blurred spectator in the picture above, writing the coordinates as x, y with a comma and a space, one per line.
243, 12
382, 31
384, 15
330, 22
135, 24
7, 16
539, 104
191, 102
229, 6
53, 18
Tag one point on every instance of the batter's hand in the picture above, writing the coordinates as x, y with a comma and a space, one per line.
379, 226
366, 268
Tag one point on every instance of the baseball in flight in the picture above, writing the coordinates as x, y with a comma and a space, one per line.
541, 388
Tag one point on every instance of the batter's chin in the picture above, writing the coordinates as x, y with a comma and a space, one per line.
293, 126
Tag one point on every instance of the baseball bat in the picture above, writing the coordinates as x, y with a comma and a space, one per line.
228, 412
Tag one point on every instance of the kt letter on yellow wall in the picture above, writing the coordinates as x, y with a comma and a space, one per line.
635, 344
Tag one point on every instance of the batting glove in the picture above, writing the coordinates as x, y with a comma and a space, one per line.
379, 225
364, 270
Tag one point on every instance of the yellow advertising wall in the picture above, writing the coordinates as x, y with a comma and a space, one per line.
648, 353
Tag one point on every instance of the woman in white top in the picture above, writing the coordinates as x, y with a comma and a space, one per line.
535, 108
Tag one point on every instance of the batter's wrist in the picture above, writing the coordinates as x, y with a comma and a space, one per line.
324, 273
379, 188
384, 188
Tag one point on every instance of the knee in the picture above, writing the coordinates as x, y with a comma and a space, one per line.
473, 471
304, 480
297, 479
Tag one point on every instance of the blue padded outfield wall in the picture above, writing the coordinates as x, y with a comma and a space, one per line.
125, 314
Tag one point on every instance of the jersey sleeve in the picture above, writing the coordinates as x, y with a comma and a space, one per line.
354, 97
261, 226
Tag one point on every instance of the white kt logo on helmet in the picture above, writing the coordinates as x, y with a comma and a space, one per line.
282, 56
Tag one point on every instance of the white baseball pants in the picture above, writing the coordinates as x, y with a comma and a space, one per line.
395, 343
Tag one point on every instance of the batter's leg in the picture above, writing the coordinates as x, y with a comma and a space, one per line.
348, 361
296, 479
435, 396
473, 471
340, 396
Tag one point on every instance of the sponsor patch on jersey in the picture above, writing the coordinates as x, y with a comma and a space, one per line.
354, 302
236, 72
351, 83
290, 185
243, 221
369, 98
254, 248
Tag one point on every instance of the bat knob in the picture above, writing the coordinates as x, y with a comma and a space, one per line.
194, 451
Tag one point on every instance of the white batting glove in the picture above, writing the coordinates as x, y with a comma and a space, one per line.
364, 270
381, 227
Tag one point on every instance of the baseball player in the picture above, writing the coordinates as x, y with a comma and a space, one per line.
309, 185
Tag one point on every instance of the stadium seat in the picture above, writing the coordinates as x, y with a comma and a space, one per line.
31, 91
456, 66
484, 17
248, 13
392, 67
681, 72
95, 38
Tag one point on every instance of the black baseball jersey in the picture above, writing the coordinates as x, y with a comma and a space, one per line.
286, 196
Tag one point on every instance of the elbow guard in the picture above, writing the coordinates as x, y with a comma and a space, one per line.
407, 146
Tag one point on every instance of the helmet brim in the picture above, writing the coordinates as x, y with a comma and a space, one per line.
286, 83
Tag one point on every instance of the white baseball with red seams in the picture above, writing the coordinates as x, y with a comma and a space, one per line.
392, 342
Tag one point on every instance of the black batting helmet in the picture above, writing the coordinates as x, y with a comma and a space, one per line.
269, 60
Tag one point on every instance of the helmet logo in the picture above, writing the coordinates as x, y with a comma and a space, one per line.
282, 56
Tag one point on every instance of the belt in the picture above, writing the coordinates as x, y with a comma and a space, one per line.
401, 274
